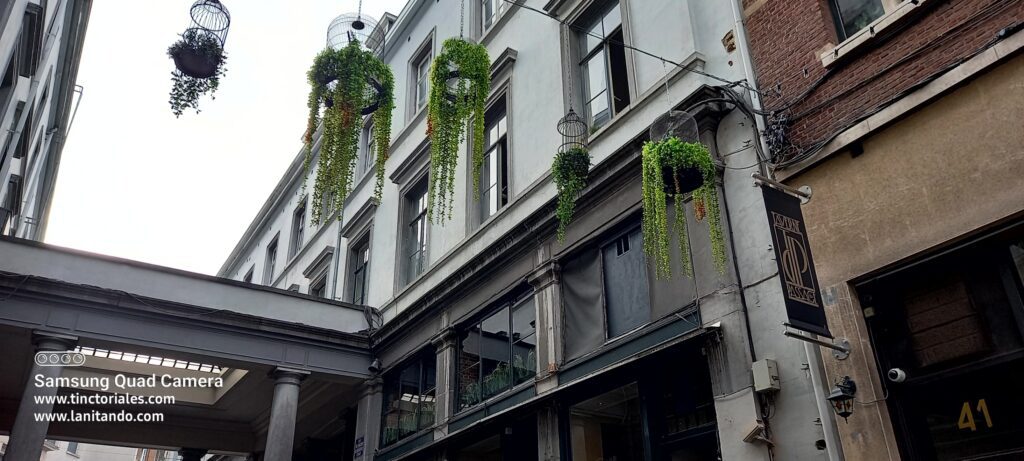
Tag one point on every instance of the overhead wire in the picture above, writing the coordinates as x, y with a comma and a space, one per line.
731, 83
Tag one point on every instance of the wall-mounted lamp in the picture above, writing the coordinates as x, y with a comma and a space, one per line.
841, 397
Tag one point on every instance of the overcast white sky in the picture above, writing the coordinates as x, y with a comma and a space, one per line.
137, 183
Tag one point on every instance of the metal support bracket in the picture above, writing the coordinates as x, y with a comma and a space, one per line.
840, 346
803, 193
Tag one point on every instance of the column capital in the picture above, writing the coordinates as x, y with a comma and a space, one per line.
49, 341
288, 375
374, 385
445, 338
544, 275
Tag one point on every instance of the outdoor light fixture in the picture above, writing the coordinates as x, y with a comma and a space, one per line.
841, 397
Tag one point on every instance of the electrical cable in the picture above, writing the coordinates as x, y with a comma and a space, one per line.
741, 82
817, 146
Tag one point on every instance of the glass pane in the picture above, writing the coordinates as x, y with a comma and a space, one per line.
524, 355
487, 11
608, 427
857, 14
612, 19
427, 395
595, 86
469, 368
494, 354
591, 38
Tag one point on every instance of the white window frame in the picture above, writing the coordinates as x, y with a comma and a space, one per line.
584, 56
406, 277
270, 260
419, 76
357, 249
298, 233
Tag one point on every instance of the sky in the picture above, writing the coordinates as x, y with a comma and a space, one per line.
137, 183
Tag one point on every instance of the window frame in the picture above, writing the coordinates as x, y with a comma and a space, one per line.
298, 229
502, 95
511, 304
270, 260
72, 449
420, 181
249, 275
837, 18
419, 360
362, 243
319, 283
593, 15
421, 59
367, 145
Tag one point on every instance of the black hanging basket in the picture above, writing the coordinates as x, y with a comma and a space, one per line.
375, 87
195, 64
689, 180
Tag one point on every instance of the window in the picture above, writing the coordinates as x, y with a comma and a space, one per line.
494, 191
328, 206
268, 269
72, 448
421, 75
853, 15
298, 229
603, 67
490, 11
498, 352
409, 393
358, 270
414, 254
627, 299
12, 209
248, 275
368, 154
31, 41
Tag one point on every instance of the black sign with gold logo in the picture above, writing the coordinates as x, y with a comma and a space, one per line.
796, 267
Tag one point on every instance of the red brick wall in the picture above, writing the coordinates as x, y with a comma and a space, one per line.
787, 38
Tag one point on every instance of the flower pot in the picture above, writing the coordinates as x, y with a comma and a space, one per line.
690, 179
194, 64
453, 84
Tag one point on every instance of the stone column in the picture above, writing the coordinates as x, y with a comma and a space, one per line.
368, 417
548, 448
548, 299
27, 434
281, 432
192, 454
444, 344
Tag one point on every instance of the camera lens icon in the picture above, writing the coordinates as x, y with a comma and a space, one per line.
60, 359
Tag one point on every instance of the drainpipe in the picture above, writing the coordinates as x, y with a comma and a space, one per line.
748, 72
828, 423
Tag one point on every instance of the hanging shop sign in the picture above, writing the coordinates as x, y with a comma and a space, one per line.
796, 266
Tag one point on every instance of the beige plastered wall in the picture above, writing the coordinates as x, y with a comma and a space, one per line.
951, 169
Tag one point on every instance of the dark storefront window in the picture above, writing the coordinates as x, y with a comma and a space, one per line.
954, 324
608, 426
663, 413
409, 393
514, 441
498, 352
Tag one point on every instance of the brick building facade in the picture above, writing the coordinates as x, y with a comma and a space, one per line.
905, 120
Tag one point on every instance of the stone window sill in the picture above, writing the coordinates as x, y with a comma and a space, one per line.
868, 35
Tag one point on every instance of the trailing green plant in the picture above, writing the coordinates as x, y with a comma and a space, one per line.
676, 155
570, 170
449, 109
352, 68
186, 89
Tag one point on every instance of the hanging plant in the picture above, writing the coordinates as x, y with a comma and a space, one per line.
199, 64
687, 167
450, 107
350, 82
570, 171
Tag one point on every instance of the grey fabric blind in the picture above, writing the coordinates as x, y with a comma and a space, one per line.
625, 280
668, 296
583, 304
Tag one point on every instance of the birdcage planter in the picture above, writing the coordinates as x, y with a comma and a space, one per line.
570, 168
350, 82
199, 56
460, 81
682, 180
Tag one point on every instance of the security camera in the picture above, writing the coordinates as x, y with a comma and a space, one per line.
897, 375
374, 366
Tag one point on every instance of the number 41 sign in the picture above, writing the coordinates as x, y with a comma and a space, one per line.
967, 416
